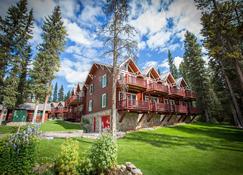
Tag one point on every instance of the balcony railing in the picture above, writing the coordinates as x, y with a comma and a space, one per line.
133, 105
157, 87
182, 109
134, 81
75, 99
59, 110
177, 92
190, 94
160, 107
194, 110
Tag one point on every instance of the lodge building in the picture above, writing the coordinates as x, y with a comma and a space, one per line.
144, 99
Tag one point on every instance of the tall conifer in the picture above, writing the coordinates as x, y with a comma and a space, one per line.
61, 94
172, 66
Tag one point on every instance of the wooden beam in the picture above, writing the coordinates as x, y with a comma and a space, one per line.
192, 118
184, 119
163, 119
141, 118
169, 118
150, 117
181, 117
122, 117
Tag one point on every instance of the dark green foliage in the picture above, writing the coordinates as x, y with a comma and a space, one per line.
172, 66
61, 94
86, 167
103, 153
195, 72
18, 152
47, 61
222, 31
68, 159
15, 33
67, 95
55, 95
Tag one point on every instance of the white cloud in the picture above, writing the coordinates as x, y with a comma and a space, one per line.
150, 64
89, 13
42, 8
74, 71
76, 33
177, 61
164, 64
159, 39
36, 35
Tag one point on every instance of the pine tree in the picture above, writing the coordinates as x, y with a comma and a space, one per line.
222, 26
15, 33
67, 95
197, 73
61, 94
47, 61
55, 93
119, 39
172, 66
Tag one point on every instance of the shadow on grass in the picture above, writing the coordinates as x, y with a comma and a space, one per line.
219, 138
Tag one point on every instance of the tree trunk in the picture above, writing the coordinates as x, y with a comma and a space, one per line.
236, 121
2, 114
239, 72
35, 112
114, 77
44, 110
236, 106
46, 101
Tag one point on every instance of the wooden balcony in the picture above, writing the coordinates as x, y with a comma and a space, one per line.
157, 88
64, 110
177, 92
133, 82
181, 109
160, 107
73, 100
190, 94
194, 110
133, 105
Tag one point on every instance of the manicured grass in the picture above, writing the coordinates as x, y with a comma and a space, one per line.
182, 149
59, 125
8, 129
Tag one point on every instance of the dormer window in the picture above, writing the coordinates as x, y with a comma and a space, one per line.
104, 81
91, 88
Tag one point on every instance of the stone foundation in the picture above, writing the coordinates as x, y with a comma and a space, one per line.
133, 121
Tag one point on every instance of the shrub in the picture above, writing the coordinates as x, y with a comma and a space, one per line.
84, 124
18, 152
85, 167
103, 153
68, 160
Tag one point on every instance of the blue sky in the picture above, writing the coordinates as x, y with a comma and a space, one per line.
160, 26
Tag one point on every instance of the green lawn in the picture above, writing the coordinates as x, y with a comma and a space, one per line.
59, 125
182, 149
8, 129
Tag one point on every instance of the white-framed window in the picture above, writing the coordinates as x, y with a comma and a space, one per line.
146, 98
91, 88
166, 101
155, 99
104, 100
90, 105
104, 81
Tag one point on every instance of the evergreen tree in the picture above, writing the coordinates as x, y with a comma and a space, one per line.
55, 93
67, 95
15, 33
197, 73
61, 94
119, 39
172, 66
222, 26
47, 61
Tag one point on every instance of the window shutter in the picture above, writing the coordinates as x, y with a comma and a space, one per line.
101, 101
106, 80
106, 100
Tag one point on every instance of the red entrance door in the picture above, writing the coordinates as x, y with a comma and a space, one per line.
105, 121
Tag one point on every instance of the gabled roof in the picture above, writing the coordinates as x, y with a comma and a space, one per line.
94, 67
31, 106
151, 70
180, 82
167, 76
130, 63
